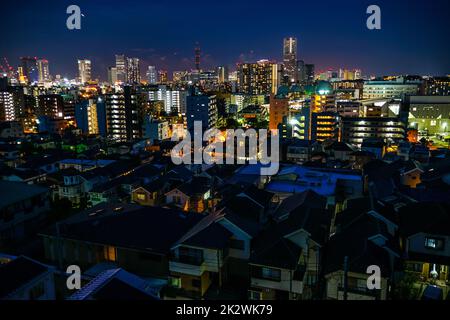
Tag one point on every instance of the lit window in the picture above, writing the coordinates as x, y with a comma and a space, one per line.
110, 253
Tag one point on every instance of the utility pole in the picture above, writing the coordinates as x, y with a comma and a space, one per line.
59, 247
345, 277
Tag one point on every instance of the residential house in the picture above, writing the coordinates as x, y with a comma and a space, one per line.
285, 261
425, 241
192, 195
22, 207
23, 278
116, 284
362, 242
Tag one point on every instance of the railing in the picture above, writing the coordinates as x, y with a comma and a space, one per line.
188, 260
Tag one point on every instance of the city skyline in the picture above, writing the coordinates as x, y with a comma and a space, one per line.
330, 36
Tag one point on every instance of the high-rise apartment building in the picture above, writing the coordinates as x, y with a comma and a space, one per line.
201, 108
7, 112
123, 120
152, 75
257, 78
325, 126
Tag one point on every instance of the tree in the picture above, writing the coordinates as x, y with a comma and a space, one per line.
404, 289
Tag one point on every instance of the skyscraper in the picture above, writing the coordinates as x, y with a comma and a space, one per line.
152, 75
121, 67
133, 71
222, 74
84, 70
309, 73
162, 75
257, 78
43, 71
290, 59
29, 68
197, 58
112, 75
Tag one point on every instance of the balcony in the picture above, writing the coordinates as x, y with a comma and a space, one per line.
194, 266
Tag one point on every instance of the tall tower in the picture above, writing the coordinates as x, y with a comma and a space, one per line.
121, 67
290, 59
133, 71
197, 57
84, 70
43, 71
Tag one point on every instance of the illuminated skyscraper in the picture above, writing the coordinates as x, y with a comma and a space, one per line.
162, 76
121, 67
197, 58
290, 59
43, 71
29, 68
133, 71
112, 75
84, 70
152, 75
222, 74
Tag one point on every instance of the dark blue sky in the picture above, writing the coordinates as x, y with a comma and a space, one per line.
414, 39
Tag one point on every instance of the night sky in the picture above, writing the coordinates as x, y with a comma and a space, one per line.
414, 39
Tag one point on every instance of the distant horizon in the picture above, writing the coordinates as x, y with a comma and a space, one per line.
413, 39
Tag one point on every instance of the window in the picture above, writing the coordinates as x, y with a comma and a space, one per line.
175, 282
110, 253
37, 291
196, 283
434, 243
237, 244
271, 274
141, 196
254, 295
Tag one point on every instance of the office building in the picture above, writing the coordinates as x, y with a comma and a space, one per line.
290, 60
430, 115
222, 74
112, 75
29, 69
437, 86
356, 130
43, 71
133, 71
389, 89
257, 78
121, 68
309, 73
84, 70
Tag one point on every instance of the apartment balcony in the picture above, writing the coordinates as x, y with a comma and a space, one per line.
187, 265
